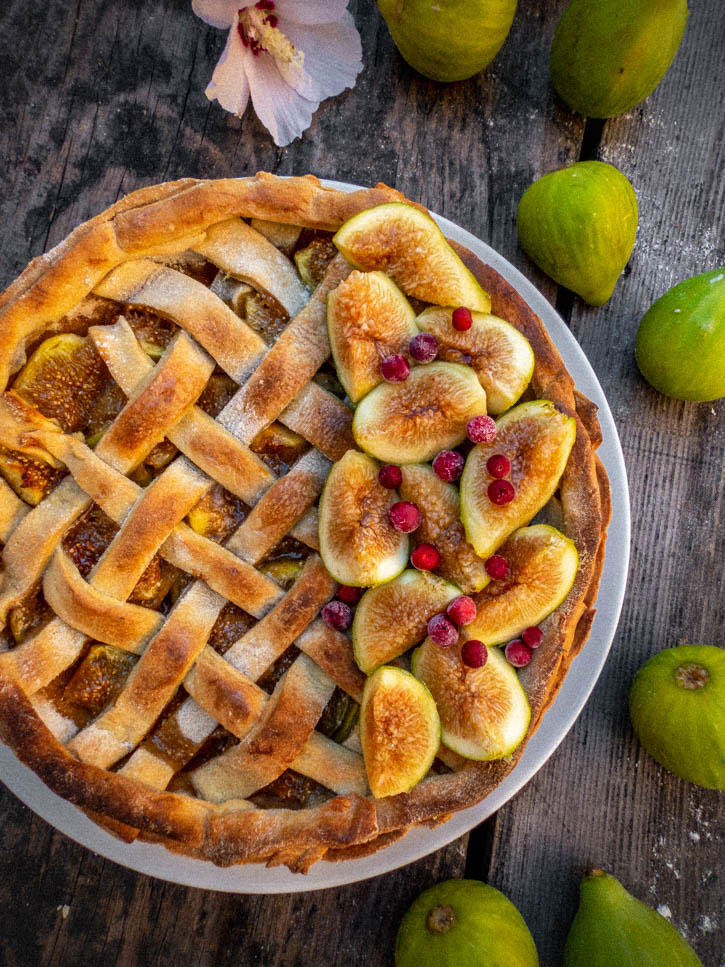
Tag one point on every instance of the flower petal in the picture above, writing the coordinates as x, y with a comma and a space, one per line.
311, 11
284, 112
229, 84
218, 13
333, 57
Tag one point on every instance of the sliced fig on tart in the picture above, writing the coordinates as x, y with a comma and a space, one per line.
393, 617
532, 445
368, 319
441, 526
411, 421
500, 355
407, 245
358, 544
542, 564
399, 731
484, 711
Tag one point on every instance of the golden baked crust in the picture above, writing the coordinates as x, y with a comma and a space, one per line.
118, 255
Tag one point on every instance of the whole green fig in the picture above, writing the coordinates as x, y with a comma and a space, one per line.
677, 707
609, 55
464, 923
579, 225
448, 40
680, 344
613, 929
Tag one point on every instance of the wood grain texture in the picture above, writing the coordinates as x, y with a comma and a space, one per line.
601, 800
98, 99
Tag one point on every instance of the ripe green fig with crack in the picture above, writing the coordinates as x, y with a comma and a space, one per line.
464, 923
680, 344
614, 929
579, 225
677, 707
447, 40
609, 55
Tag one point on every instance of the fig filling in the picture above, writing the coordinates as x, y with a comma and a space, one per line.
314, 256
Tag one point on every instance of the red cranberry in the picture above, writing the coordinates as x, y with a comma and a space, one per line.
532, 637
501, 492
442, 631
425, 557
481, 429
348, 594
395, 368
423, 347
390, 476
497, 567
462, 610
498, 465
337, 615
474, 654
462, 319
448, 465
517, 654
404, 516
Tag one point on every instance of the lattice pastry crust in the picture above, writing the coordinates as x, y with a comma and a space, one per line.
180, 692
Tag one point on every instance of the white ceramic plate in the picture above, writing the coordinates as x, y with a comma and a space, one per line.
578, 684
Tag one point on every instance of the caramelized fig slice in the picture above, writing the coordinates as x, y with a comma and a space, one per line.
441, 526
358, 544
217, 514
399, 731
312, 261
407, 245
368, 318
542, 567
484, 711
283, 570
537, 439
31, 478
62, 379
411, 422
502, 358
393, 617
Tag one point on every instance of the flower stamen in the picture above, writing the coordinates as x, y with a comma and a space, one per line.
258, 30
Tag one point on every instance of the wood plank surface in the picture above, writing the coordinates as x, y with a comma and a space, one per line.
601, 800
98, 99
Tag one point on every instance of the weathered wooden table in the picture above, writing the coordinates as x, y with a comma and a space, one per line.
100, 98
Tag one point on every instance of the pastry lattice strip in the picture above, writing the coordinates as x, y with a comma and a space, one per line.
302, 349
118, 729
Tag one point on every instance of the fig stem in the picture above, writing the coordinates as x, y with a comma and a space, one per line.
440, 919
692, 676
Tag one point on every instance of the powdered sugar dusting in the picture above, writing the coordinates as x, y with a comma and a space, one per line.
62, 728
194, 723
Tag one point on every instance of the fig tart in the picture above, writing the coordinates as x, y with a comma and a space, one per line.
249, 465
